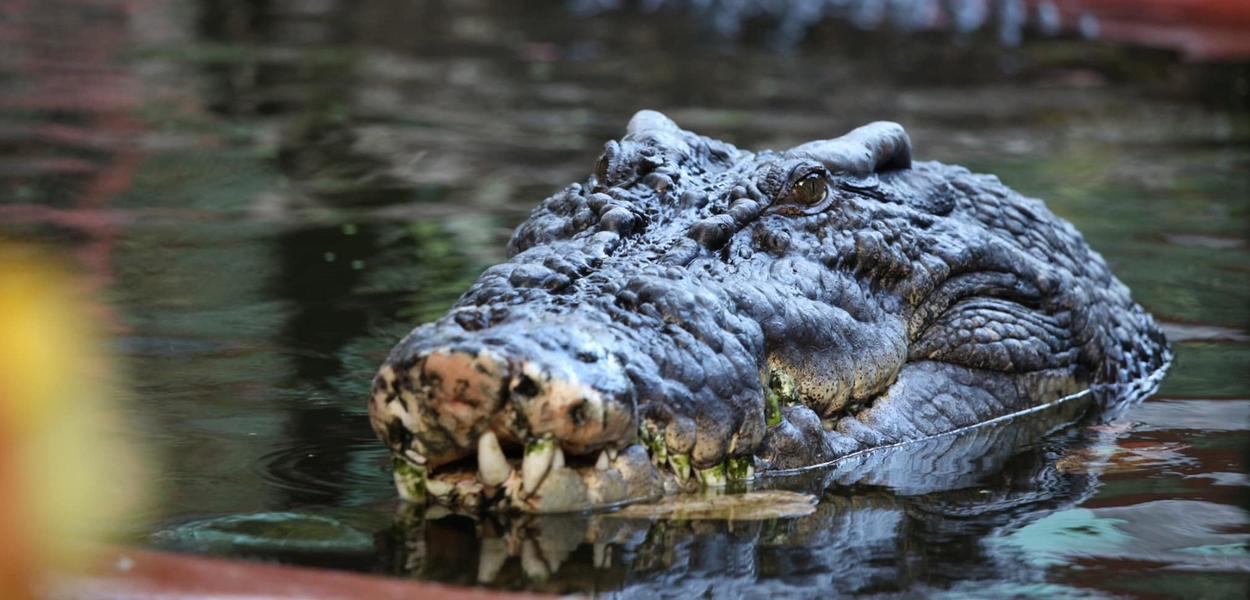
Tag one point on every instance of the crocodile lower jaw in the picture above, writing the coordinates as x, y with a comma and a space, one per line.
545, 480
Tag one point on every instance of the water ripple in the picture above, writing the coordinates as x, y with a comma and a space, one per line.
331, 470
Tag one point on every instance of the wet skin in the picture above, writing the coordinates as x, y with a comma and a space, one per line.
695, 314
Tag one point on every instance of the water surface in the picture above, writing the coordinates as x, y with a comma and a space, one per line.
265, 196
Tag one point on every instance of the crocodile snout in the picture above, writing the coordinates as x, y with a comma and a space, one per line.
537, 416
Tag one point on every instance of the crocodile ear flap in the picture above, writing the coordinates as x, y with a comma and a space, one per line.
873, 148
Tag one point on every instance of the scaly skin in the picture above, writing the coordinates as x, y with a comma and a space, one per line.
695, 313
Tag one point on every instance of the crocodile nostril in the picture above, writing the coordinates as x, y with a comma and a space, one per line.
525, 386
577, 413
398, 436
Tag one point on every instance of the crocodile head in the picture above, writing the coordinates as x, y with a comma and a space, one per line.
694, 314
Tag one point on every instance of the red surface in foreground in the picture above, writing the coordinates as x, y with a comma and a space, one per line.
129, 574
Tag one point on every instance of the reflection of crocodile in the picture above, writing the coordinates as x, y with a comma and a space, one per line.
932, 515
696, 313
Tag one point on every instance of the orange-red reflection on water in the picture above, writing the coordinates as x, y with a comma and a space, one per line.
74, 130
1202, 30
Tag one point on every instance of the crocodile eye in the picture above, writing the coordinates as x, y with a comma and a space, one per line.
810, 191
806, 191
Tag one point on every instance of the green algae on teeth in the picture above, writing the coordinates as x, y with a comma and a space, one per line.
740, 468
772, 408
781, 384
652, 438
410, 480
713, 475
681, 466
540, 454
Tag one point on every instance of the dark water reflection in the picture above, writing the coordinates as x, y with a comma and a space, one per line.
266, 194
925, 518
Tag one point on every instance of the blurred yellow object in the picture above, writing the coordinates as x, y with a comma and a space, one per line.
66, 471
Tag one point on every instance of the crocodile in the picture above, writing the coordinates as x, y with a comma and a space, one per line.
697, 315
909, 521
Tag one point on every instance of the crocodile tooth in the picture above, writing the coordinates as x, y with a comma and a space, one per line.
604, 463
438, 489
612, 453
652, 437
557, 462
415, 457
772, 407
713, 475
539, 454
740, 468
409, 480
492, 467
681, 466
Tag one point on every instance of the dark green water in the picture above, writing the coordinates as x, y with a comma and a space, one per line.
267, 195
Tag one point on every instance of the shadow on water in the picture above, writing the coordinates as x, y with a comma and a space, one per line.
267, 194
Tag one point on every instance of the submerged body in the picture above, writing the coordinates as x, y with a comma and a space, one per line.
695, 314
